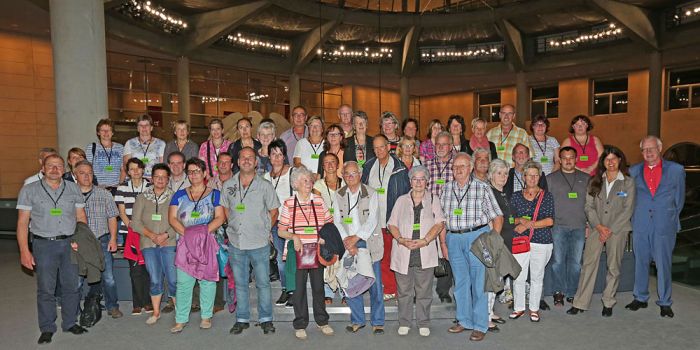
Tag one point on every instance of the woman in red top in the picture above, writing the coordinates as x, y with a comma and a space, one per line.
588, 147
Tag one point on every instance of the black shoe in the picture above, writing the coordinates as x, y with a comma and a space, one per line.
544, 305
446, 299
267, 327
666, 311
282, 299
558, 299
570, 300
607, 311
289, 304
494, 329
76, 329
45, 337
574, 311
238, 327
636, 305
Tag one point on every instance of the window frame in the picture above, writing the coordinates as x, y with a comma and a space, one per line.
610, 96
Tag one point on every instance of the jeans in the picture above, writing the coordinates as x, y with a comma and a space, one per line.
160, 263
469, 275
566, 264
535, 261
109, 286
240, 261
376, 298
278, 243
53, 263
185, 284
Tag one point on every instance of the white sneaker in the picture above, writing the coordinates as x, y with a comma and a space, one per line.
424, 331
403, 330
326, 330
300, 334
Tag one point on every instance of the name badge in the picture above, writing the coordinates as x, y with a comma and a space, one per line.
361, 163
501, 148
309, 230
544, 160
573, 195
56, 211
155, 217
195, 214
416, 227
527, 217
440, 181
511, 220
331, 210
583, 158
622, 194
240, 207
145, 160
381, 190
109, 168
314, 156
347, 220
458, 211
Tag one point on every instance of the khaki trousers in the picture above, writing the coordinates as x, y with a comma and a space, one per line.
614, 249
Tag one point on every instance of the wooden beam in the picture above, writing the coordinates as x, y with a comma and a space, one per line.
637, 22
513, 39
311, 42
410, 55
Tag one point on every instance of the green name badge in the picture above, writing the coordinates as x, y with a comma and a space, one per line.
501, 148
56, 211
361, 163
309, 230
347, 220
583, 158
416, 227
314, 156
155, 217
527, 217
381, 190
544, 160
145, 160
511, 220
240, 207
109, 168
573, 195
331, 210
440, 181
195, 215
458, 211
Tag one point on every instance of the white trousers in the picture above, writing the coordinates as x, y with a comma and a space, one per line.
535, 261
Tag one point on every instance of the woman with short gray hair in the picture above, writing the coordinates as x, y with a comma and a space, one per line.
266, 134
415, 223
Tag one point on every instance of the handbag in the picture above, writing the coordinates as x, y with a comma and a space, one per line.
307, 258
521, 244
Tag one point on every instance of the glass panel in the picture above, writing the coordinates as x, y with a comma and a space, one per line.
684, 77
161, 82
485, 112
203, 87
601, 104
233, 90
678, 98
495, 117
619, 103
310, 99
695, 101
610, 85
537, 108
488, 98
541, 93
552, 108
125, 79
203, 72
233, 75
332, 101
310, 86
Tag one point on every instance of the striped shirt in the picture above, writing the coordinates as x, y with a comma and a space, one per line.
506, 143
126, 195
106, 162
468, 207
99, 208
304, 221
543, 152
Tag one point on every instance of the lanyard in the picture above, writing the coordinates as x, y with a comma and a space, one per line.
242, 195
503, 139
459, 202
544, 151
515, 176
571, 186
296, 200
447, 163
55, 202
356, 202
108, 154
178, 187
303, 133
196, 204
316, 148
158, 199
379, 173
278, 177
88, 195
148, 145
328, 189
134, 190
585, 144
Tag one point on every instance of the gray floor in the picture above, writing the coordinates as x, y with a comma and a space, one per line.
643, 329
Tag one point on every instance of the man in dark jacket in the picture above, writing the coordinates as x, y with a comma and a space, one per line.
389, 177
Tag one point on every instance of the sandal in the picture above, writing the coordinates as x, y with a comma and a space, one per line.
534, 316
516, 314
353, 328
498, 320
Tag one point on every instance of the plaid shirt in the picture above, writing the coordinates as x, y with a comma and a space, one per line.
99, 208
505, 143
427, 149
439, 170
477, 207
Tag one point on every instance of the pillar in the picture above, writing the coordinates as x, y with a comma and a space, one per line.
655, 87
522, 106
294, 92
405, 99
80, 69
183, 88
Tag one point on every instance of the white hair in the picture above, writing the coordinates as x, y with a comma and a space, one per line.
650, 137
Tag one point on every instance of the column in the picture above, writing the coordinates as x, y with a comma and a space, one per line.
655, 87
522, 107
183, 88
405, 99
80, 69
294, 91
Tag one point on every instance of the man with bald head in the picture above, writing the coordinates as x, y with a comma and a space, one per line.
506, 135
470, 207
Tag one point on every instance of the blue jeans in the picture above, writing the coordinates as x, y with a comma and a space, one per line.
240, 261
469, 275
376, 298
566, 262
53, 264
109, 286
278, 243
160, 262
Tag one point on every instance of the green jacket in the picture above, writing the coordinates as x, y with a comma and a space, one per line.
499, 261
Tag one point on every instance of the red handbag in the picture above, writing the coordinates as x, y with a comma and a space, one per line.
307, 258
521, 244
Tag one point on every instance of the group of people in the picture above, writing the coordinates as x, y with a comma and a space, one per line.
482, 216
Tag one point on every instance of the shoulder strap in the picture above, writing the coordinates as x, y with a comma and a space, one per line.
290, 181
211, 173
537, 211
294, 215
94, 146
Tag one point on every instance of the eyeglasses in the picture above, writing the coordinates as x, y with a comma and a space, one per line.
334, 134
352, 174
194, 172
419, 179
509, 114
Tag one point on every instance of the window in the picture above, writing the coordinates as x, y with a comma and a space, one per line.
414, 108
610, 96
321, 98
544, 101
490, 105
684, 88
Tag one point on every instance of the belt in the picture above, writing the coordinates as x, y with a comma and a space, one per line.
54, 238
475, 228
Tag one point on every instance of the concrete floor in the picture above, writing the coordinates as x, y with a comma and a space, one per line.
643, 329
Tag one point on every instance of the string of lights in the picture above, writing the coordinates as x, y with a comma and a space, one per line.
341, 54
573, 39
683, 14
440, 54
256, 43
153, 14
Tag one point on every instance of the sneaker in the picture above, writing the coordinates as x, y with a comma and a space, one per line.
136, 311
238, 327
148, 309
115, 313
169, 307
326, 330
205, 323
300, 334
282, 299
289, 304
152, 320
267, 327
403, 330
424, 331
389, 296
